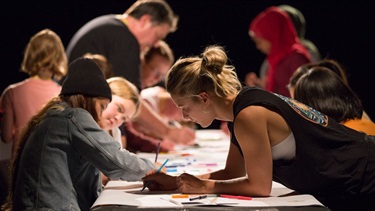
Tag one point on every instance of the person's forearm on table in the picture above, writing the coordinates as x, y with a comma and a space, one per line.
238, 186
152, 121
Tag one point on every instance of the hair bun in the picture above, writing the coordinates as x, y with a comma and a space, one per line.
214, 59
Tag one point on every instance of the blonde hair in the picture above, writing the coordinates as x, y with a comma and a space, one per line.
208, 73
45, 51
124, 89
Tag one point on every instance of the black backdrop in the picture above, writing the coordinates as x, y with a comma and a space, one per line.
341, 30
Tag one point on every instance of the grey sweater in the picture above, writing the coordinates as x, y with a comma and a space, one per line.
60, 165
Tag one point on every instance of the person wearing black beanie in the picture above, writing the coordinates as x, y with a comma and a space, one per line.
85, 77
63, 150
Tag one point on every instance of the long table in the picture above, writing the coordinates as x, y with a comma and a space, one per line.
209, 154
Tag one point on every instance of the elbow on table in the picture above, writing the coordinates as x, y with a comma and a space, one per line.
263, 191
251, 190
259, 191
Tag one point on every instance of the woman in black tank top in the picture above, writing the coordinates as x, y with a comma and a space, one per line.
332, 162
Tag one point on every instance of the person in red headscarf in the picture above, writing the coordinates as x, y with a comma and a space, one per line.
274, 35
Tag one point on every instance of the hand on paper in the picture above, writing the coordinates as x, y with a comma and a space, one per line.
160, 181
187, 183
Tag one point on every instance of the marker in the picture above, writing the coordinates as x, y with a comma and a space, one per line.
171, 170
160, 168
198, 197
236, 197
174, 196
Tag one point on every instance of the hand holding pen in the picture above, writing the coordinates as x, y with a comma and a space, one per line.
160, 168
156, 156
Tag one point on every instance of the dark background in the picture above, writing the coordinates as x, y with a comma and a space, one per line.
342, 30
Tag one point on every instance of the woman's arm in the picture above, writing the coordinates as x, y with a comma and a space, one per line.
255, 128
99, 148
234, 167
251, 129
157, 127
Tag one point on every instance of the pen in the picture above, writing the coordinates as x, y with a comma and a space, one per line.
160, 168
157, 152
198, 197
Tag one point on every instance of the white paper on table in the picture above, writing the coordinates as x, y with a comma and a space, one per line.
193, 160
130, 195
200, 202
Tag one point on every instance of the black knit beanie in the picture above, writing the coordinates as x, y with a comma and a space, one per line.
85, 77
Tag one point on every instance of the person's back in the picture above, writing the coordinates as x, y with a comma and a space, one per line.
44, 61
108, 36
21, 101
121, 39
323, 90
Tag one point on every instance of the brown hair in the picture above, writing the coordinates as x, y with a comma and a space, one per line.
161, 49
45, 51
159, 10
74, 101
103, 63
324, 90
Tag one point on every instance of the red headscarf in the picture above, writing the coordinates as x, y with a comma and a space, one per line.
275, 26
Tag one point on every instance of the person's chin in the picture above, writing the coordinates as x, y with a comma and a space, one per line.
204, 125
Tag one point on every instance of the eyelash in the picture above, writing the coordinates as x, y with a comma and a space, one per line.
120, 110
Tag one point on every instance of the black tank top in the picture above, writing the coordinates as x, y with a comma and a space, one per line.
331, 159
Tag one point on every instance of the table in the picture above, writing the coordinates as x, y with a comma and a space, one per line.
208, 155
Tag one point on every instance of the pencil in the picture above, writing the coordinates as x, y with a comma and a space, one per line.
160, 168
157, 152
